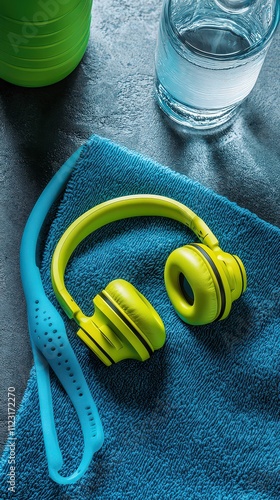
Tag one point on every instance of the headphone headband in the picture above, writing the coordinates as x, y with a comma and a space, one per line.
111, 211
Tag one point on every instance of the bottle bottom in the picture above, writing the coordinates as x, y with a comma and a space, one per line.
198, 119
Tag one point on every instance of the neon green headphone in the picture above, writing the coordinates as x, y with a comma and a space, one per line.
201, 280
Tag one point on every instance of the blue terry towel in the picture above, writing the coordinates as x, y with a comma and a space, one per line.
201, 418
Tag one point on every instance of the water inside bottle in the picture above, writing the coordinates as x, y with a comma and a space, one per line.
215, 40
195, 69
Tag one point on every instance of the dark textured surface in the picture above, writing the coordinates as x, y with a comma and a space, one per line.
111, 94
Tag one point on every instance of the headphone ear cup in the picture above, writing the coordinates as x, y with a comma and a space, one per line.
197, 285
139, 311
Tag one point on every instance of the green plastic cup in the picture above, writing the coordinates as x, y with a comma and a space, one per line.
52, 46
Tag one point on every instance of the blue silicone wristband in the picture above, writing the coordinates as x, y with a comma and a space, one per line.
50, 344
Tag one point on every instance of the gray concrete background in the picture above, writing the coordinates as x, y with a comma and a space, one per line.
111, 94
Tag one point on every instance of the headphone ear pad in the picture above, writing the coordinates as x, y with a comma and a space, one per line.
197, 285
139, 310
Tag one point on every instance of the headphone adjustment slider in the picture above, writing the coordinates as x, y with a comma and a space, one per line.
203, 232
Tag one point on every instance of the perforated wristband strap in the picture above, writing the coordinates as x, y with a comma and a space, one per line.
50, 343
